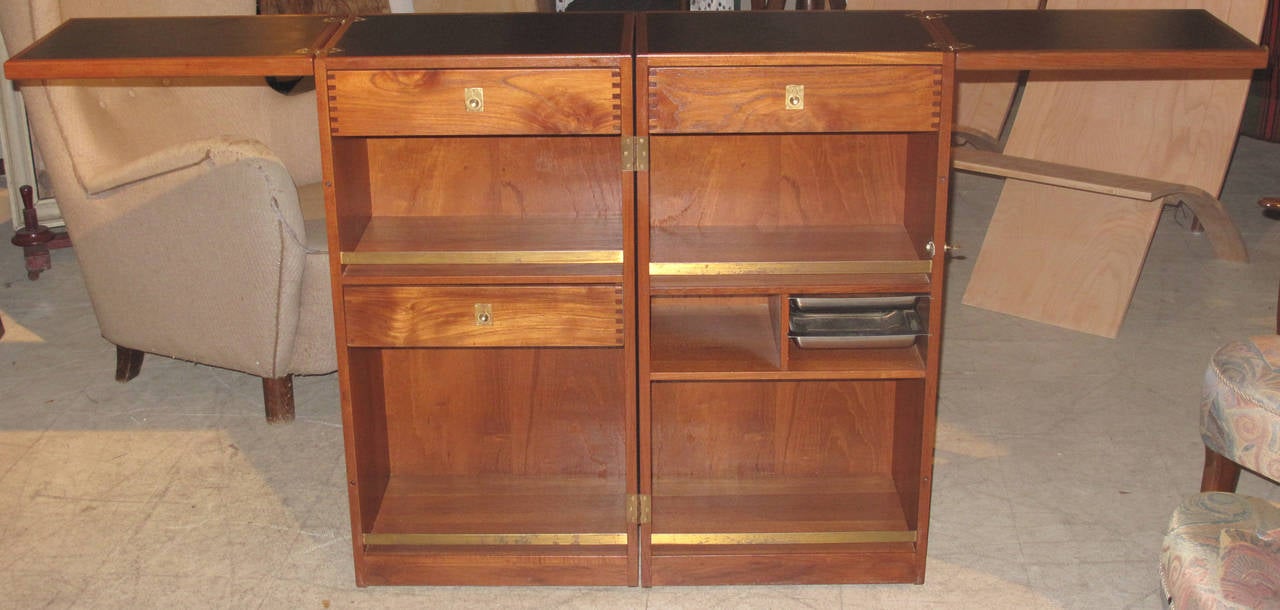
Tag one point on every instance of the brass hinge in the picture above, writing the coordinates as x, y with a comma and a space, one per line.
639, 509
635, 154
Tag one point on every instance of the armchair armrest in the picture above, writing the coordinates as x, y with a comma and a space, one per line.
196, 252
171, 159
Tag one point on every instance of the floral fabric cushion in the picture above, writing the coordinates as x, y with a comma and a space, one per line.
1222, 550
1240, 410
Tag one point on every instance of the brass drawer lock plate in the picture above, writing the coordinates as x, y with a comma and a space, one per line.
795, 97
484, 314
474, 99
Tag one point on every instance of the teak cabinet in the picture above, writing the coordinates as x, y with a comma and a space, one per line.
578, 262
483, 231
774, 177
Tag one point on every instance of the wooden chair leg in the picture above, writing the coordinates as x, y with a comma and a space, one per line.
128, 363
277, 395
1220, 474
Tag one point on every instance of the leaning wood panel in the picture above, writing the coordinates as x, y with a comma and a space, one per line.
509, 316
1072, 259
1077, 269
474, 102
765, 99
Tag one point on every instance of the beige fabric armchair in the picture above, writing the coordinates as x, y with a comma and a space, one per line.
181, 201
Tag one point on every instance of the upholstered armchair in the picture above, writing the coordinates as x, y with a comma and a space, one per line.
1222, 549
182, 203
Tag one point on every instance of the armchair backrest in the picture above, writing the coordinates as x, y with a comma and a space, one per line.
101, 125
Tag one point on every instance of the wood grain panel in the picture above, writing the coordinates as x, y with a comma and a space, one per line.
783, 180
508, 177
729, 100
526, 412
520, 316
766, 429
432, 102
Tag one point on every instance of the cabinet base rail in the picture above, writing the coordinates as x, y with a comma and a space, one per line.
494, 539
786, 537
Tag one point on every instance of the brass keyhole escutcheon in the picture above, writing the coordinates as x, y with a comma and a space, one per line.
474, 98
484, 314
795, 97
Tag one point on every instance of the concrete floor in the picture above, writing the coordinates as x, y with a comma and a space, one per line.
1060, 455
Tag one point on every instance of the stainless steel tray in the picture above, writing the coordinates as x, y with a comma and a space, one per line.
883, 302
856, 329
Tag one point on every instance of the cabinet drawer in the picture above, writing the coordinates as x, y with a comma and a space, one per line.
497, 316
474, 102
794, 99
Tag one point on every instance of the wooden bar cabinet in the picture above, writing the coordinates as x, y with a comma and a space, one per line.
581, 266
481, 224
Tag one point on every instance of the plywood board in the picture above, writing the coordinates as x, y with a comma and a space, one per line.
1072, 259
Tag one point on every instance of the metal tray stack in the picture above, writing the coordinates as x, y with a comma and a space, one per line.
855, 322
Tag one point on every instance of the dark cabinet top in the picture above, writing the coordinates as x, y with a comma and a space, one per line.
488, 34
979, 40
1098, 39
682, 33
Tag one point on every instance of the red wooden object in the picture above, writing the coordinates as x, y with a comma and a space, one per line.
34, 238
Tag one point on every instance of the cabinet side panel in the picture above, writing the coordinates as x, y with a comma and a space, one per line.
351, 189
907, 435
921, 196
477, 412
370, 432
782, 180
512, 177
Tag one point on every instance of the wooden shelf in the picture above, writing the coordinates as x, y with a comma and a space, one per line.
491, 250
841, 506
872, 283
429, 235
713, 338
888, 363
415, 275
779, 244
499, 505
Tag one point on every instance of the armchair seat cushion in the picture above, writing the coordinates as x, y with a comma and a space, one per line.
1240, 410
1222, 550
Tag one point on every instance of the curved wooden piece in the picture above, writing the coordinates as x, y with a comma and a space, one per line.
1218, 227
1221, 231
976, 139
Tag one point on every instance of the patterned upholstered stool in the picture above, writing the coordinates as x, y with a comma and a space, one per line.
1222, 550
